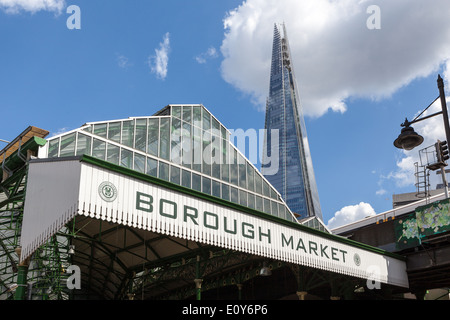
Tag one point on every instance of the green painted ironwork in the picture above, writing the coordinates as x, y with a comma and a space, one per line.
42, 276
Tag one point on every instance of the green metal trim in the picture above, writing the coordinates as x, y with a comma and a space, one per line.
219, 201
21, 283
14, 160
8, 254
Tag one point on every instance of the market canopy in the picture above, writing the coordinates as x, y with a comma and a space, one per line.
85, 188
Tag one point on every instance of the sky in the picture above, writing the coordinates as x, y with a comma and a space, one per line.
362, 67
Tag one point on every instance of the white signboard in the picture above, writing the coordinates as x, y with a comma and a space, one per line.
117, 197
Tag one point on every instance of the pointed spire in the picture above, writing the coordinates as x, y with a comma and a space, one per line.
294, 177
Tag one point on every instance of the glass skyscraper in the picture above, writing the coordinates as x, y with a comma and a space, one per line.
287, 162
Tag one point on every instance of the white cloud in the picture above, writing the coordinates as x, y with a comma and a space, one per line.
210, 53
403, 176
159, 62
334, 54
350, 214
123, 62
60, 131
16, 6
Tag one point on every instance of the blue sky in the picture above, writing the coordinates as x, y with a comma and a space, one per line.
356, 84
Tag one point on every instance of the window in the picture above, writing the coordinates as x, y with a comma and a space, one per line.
215, 156
234, 195
186, 178
266, 189
99, 149
100, 129
114, 131
152, 167
206, 119
266, 205
281, 211
206, 185
126, 158
197, 116
224, 167
176, 111
215, 127
242, 172
53, 147
153, 137
225, 170
273, 194
139, 162
225, 192
258, 183
83, 144
216, 188
175, 141
174, 174
206, 153
259, 203
242, 197
67, 145
233, 167
250, 177
251, 200
141, 134
163, 171
113, 153
187, 110
128, 133
274, 208
196, 182
197, 154
224, 133
186, 147
164, 140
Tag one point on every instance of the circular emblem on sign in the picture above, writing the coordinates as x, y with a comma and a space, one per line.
357, 259
107, 191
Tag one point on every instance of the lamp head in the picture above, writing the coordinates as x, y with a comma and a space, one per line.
408, 139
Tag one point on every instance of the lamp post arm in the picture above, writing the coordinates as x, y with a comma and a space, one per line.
416, 119
407, 123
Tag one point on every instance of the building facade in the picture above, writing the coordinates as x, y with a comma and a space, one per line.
293, 176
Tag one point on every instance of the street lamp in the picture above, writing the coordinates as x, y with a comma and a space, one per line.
408, 139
